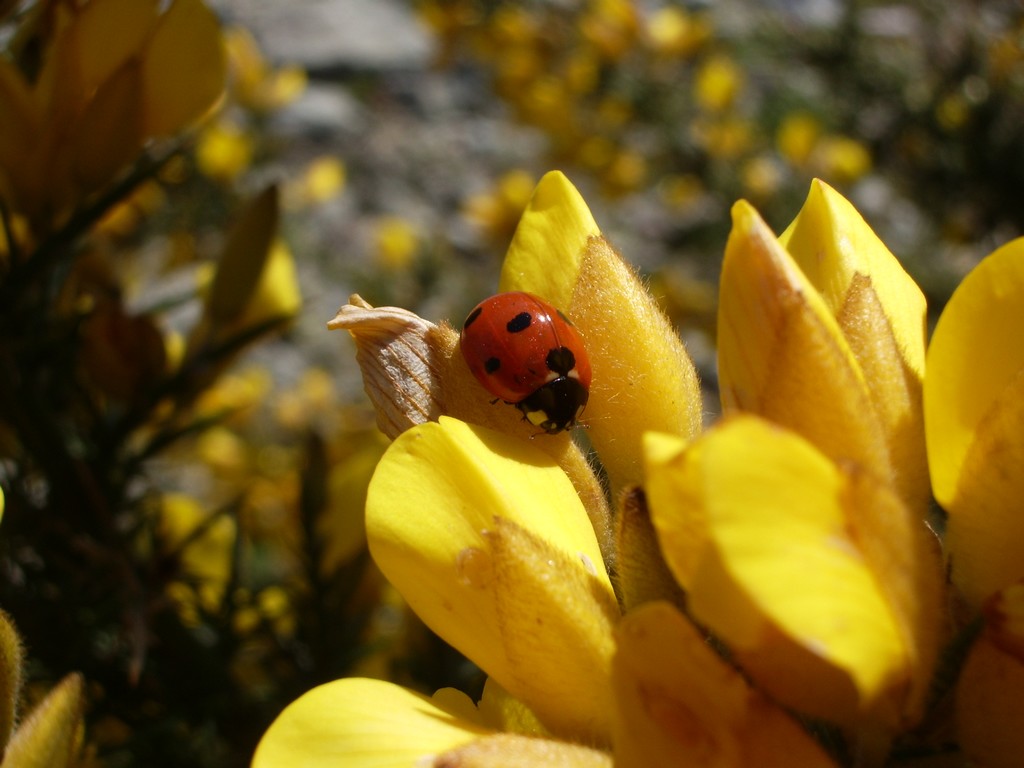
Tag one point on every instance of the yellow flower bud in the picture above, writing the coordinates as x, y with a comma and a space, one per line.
51, 736
744, 513
974, 411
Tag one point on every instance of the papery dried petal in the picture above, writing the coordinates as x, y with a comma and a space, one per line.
400, 362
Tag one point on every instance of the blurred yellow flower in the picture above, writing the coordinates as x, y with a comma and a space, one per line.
672, 31
309, 402
254, 83
842, 158
719, 81
726, 138
202, 544
627, 172
797, 137
223, 451
321, 180
681, 191
395, 242
497, 210
236, 395
610, 26
761, 177
224, 150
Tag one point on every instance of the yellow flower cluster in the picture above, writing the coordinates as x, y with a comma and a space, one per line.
97, 99
116, 75
250, 470
768, 591
226, 148
637, 95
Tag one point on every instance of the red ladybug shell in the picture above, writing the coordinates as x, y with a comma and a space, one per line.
527, 353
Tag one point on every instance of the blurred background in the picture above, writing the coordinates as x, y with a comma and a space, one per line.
185, 449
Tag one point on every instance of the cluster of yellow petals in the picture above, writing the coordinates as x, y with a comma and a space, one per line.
119, 73
793, 534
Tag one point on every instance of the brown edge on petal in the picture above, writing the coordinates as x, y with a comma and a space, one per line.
507, 750
642, 575
400, 366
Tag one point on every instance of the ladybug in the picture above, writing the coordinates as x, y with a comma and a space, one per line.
527, 353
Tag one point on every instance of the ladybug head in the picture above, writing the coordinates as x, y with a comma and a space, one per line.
556, 406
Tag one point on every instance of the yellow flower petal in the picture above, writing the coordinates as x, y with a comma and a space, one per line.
678, 703
244, 257
51, 736
781, 353
12, 657
974, 414
547, 249
494, 551
643, 378
109, 33
362, 723
1004, 617
641, 573
224, 150
19, 132
506, 750
974, 354
745, 514
881, 312
990, 706
183, 68
277, 293
108, 134
504, 712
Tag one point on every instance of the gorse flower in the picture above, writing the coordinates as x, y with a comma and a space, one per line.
974, 418
116, 74
765, 592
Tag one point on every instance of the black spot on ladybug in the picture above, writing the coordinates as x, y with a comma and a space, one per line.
519, 323
472, 316
562, 315
492, 364
561, 360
